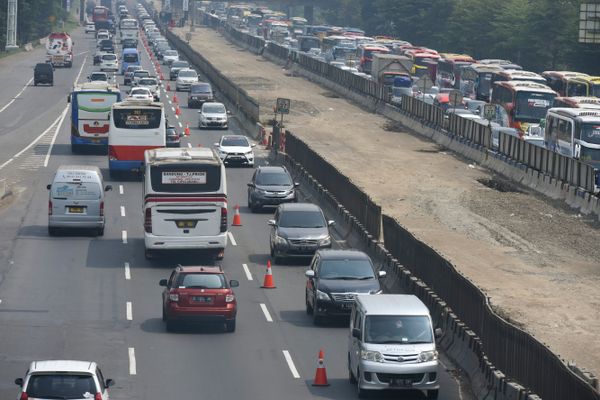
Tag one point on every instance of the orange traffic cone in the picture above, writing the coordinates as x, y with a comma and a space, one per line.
162, 78
187, 133
237, 218
177, 110
268, 282
175, 98
321, 374
168, 87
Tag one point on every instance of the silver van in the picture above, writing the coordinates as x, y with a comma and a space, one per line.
76, 199
391, 345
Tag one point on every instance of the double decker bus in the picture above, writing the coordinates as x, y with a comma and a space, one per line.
584, 86
522, 105
449, 67
91, 103
558, 80
135, 126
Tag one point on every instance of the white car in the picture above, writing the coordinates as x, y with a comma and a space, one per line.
63, 379
109, 62
141, 93
213, 115
137, 75
98, 77
169, 56
185, 78
90, 28
152, 85
236, 149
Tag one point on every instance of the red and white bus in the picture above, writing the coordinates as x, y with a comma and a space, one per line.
449, 68
364, 53
135, 126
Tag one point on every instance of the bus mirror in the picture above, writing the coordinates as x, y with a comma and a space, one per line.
577, 151
68, 98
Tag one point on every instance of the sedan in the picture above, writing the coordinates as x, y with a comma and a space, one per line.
213, 115
169, 56
109, 62
235, 149
152, 85
141, 93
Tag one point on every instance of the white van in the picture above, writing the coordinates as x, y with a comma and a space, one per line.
185, 201
391, 345
76, 199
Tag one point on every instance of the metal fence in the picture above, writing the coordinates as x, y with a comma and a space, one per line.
513, 351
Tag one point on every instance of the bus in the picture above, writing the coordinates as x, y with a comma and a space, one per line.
129, 57
584, 86
577, 102
91, 103
364, 55
185, 201
135, 126
100, 14
521, 105
558, 80
129, 29
449, 69
517, 75
476, 80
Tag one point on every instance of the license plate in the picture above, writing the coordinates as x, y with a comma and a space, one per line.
346, 306
401, 382
202, 299
76, 210
186, 224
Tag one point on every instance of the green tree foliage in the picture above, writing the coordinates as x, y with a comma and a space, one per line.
538, 34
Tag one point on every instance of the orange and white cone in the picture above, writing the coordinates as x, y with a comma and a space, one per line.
177, 110
187, 132
321, 374
237, 218
268, 282
175, 98
168, 87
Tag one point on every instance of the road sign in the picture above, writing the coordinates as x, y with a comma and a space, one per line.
489, 111
455, 98
283, 105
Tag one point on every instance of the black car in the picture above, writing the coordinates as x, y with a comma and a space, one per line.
129, 44
107, 46
43, 73
175, 67
200, 93
335, 277
271, 186
173, 137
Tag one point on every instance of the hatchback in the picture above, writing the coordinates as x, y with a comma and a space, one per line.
213, 115
271, 186
235, 149
199, 294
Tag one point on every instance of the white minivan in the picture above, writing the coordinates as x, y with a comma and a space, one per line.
185, 201
391, 345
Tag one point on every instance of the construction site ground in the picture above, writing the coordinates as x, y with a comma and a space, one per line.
538, 261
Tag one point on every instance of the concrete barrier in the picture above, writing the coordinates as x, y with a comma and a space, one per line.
2, 188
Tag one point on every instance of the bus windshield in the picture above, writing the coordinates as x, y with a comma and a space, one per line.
589, 155
590, 133
532, 107
595, 90
138, 118
130, 57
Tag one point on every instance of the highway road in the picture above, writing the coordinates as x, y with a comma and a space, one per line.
97, 298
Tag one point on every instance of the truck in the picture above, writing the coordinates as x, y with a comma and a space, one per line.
384, 64
59, 49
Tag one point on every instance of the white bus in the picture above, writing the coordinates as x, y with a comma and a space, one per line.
129, 29
185, 201
574, 132
135, 126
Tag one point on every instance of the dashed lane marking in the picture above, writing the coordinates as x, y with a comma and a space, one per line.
247, 271
290, 363
132, 364
231, 238
122, 211
265, 311
17, 96
127, 271
121, 189
124, 237
129, 311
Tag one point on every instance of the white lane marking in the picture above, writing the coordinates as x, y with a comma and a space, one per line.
170, 102
173, 108
124, 236
83, 52
247, 271
11, 160
189, 145
290, 364
120, 189
129, 311
127, 271
122, 211
265, 311
180, 125
62, 119
231, 238
176, 116
17, 96
132, 364
80, 70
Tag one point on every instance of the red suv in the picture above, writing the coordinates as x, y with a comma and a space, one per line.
199, 294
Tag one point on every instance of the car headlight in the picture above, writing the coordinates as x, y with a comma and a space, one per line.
250, 153
376, 291
374, 356
325, 241
322, 296
426, 356
280, 241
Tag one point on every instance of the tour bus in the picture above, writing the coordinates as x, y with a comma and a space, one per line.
364, 53
185, 201
135, 126
521, 104
558, 80
584, 86
129, 57
577, 102
91, 103
476, 80
129, 29
448, 73
517, 75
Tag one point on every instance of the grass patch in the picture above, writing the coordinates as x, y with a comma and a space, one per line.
4, 54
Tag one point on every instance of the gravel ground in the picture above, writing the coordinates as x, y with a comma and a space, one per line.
536, 259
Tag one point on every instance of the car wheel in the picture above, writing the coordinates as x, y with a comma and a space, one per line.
351, 376
309, 309
164, 314
230, 325
432, 394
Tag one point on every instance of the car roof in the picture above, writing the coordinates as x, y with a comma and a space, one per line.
392, 304
336, 254
271, 168
62, 366
200, 269
299, 207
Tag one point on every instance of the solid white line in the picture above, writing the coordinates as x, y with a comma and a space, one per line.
120, 189
248, 273
80, 70
189, 145
124, 236
231, 238
122, 211
10, 160
17, 96
290, 364
129, 311
127, 271
83, 52
265, 311
132, 365
62, 119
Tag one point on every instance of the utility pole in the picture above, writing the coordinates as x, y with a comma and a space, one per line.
11, 25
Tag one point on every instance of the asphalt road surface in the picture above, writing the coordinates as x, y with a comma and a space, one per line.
97, 298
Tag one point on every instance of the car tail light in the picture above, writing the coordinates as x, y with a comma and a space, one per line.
112, 154
98, 396
148, 220
173, 297
24, 396
49, 207
230, 298
102, 209
223, 219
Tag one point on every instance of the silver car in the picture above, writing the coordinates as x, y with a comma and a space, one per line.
185, 78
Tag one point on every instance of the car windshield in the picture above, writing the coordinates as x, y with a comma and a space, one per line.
214, 109
273, 179
180, 64
133, 68
171, 53
61, 386
98, 77
234, 142
201, 89
202, 281
148, 82
109, 57
346, 269
407, 329
188, 74
142, 74
302, 219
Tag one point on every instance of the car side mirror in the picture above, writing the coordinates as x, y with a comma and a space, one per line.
250, 184
49, 186
108, 188
68, 99
296, 184
330, 223
438, 333
310, 273
271, 222
228, 112
382, 274
109, 383
216, 144
19, 382
162, 282
356, 333
234, 283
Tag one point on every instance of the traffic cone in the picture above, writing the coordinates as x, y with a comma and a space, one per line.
162, 78
237, 218
268, 282
187, 133
177, 110
175, 98
168, 87
321, 374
